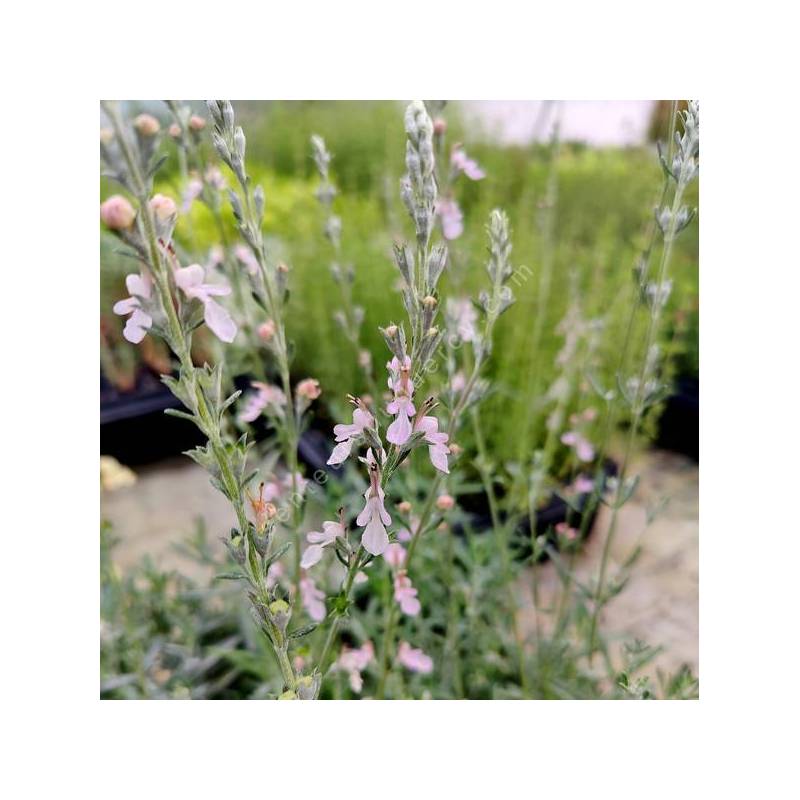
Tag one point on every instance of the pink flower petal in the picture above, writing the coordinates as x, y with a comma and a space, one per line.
399, 431
375, 539
311, 556
220, 322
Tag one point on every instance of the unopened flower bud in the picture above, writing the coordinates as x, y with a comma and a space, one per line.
282, 267
197, 123
106, 136
163, 207
266, 330
308, 389
429, 301
444, 502
174, 130
404, 507
391, 331
117, 213
455, 449
307, 687
439, 126
280, 611
147, 125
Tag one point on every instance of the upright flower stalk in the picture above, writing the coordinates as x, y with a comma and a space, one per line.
172, 301
350, 317
642, 391
270, 290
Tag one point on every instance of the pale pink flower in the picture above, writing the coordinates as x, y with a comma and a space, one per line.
139, 321
247, 258
463, 317
582, 446
266, 330
174, 130
462, 163
402, 406
163, 207
404, 535
414, 659
405, 594
193, 190
437, 442
395, 555
583, 485
308, 389
562, 529
117, 213
313, 599
147, 125
320, 540
214, 177
274, 574
264, 396
458, 382
347, 434
452, 218
298, 485
272, 490
197, 123
216, 255
361, 577
444, 502
374, 515
354, 662
190, 281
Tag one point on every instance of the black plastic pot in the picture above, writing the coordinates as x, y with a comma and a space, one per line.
133, 426
554, 511
679, 425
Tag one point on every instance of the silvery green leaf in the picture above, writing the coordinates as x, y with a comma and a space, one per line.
435, 266
298, 633
229, 401
258, 198
174, 412
179, 389
273, 557
404, 258
227, 114
239, 142
157, 164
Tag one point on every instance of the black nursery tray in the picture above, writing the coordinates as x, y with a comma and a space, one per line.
554, 511
679, 425
133, 426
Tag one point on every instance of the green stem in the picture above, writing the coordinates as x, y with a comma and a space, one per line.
347, 586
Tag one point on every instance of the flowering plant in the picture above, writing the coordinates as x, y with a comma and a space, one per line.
399, 449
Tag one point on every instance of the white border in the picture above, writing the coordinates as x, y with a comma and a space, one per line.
59, 61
